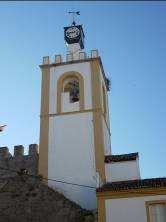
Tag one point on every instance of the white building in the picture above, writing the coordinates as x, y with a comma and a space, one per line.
75, 146
126, 197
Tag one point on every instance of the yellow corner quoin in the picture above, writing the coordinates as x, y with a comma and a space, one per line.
101, 210
44, 123
60, 88
97, 118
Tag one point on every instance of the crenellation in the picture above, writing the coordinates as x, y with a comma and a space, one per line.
94, 53
18, 150
46, 60
4, 153
82, 55
10, 164
58, 59
33, 150
69, 57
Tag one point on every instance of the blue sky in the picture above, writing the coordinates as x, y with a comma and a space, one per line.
130, 37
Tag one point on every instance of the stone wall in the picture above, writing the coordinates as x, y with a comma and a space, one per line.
27, 199
24, 198
10, 164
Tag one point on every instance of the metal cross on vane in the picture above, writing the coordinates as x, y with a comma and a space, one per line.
74, 13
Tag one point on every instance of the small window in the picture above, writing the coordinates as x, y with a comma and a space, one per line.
71, 85
156, 211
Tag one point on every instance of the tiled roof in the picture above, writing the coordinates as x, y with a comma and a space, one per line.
133, 184
122, 157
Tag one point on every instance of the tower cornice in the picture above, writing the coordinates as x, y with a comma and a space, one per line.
50, 65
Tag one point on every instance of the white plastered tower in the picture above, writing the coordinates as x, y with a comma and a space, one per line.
74, 126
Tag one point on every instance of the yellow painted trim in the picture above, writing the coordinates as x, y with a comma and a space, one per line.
97, 118
69, 113
147, 212
132, 193
101, 210
44, 123
156, 202
103, 196
68, 62
60, 88
149, 203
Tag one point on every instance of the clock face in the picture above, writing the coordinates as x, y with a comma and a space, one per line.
72, 32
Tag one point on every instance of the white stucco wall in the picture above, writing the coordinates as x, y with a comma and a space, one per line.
129, 209
71, 140
56, 72
71, 156
75, 49
67, 106
107, 138
119, 171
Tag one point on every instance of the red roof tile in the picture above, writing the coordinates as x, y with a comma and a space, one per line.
120, 158
133, 184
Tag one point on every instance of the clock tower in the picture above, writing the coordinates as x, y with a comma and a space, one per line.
74, 38
74, 121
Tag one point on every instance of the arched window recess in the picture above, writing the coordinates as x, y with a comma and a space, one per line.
73, 83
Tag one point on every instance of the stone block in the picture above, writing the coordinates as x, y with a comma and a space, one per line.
18, 150
33, 149
4, 153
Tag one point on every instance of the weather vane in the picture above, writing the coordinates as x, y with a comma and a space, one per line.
74, 13
2, 127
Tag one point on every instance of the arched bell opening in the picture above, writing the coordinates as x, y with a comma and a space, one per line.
70, 94
71, 85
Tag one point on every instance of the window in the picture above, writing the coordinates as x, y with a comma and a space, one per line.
71, 85
156, 211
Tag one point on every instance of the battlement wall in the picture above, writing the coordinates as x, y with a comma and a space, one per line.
10, 164
70, 57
